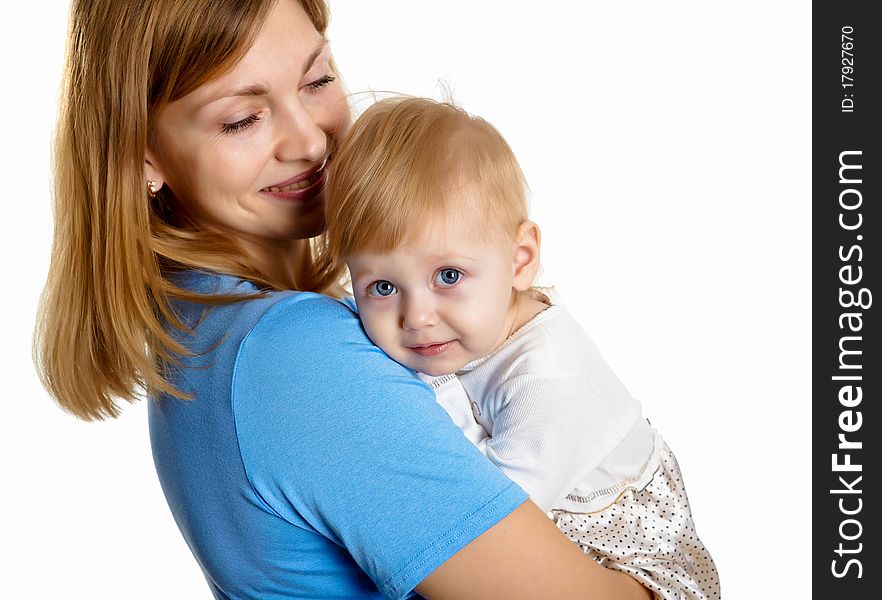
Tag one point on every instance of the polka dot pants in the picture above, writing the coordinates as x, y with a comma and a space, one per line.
649, 534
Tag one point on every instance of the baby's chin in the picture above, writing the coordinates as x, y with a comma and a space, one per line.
432, 367
438, 372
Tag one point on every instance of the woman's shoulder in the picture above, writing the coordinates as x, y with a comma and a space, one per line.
260, 313
315, 345
304, 321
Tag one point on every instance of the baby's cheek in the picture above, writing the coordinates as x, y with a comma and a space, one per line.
487, 331
374, 325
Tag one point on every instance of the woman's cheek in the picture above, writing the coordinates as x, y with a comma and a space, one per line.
338, 117
246, 158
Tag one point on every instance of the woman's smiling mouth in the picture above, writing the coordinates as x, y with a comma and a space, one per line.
297, 185
305, 186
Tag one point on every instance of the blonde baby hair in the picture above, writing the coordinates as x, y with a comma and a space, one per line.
396, 169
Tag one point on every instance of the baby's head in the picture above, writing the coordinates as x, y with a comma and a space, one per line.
427, 207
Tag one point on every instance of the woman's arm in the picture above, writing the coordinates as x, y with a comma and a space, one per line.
526, 556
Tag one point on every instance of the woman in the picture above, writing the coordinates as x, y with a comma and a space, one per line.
192, 152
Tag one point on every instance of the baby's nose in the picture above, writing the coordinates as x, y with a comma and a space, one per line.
418, 313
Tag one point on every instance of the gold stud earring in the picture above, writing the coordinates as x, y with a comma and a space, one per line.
152, 188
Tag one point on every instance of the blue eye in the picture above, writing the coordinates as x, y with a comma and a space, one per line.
448, 276
381, 288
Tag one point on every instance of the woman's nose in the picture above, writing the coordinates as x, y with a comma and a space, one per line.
300, 137
417, 313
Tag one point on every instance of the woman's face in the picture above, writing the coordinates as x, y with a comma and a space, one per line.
246, 153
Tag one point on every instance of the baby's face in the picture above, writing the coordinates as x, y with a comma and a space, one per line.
438, 303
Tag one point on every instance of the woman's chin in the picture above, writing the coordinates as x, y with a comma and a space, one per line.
303, 227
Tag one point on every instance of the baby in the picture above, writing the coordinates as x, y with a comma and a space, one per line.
427, 208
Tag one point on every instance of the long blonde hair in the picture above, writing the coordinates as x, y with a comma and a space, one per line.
102, 331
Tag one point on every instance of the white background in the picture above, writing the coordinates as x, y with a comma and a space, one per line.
667, 146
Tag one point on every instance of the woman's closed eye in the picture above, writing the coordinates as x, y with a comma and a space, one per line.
381, 288
448, 276
252, 119
241, 124
322, 82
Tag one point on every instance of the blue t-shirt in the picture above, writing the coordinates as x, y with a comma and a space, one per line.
309, 464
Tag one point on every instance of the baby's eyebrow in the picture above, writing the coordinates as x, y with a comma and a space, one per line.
364, 273
452, 257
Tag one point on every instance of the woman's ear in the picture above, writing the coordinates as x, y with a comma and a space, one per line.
153, 177
526, 255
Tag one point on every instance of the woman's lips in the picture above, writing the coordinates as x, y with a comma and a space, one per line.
431, 349
300, 188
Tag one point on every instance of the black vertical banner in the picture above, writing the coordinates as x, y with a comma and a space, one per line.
846, 335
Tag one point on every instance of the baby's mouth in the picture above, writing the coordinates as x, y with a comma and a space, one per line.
431, 349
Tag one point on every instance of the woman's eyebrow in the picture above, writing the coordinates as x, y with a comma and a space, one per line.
251, 90
259, 90
315, 54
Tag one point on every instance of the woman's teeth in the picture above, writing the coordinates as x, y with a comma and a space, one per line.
298, 185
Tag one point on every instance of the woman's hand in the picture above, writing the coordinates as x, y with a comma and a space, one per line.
524, 556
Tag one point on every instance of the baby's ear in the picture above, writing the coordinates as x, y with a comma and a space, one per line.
526, 255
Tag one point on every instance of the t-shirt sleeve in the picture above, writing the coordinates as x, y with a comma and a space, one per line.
550, 431
337, 437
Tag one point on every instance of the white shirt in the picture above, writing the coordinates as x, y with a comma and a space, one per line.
548, 411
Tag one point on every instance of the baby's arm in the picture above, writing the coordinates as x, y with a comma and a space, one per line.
548, 432
449, 393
